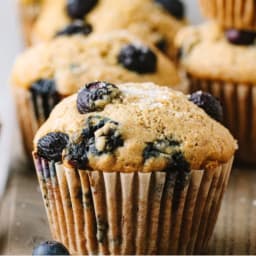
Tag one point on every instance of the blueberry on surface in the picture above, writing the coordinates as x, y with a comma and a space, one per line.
77, 27
174, 7
161, 45
94, 96
51, 145
50, 248
77, 9
240, 37
208, 103
138, 58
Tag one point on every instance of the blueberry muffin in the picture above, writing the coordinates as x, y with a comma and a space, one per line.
222, 62
133, 169
45, 74
155, 21
238, 14
28, 12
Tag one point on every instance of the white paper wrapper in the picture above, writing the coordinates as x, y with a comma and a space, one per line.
240, 14
131, 213
239, 105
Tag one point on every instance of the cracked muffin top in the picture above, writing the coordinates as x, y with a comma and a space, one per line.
209, 52
133, 127
155, 21
72, 61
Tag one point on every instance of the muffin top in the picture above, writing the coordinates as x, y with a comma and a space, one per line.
72, 61
155, 21
208, 52
132, 127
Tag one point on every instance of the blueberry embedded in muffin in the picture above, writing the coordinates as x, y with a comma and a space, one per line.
210, 104
51, 145
174, 7
94, 96
77, 9
168, 149
138, 58
100, 136
240, 37
77, 27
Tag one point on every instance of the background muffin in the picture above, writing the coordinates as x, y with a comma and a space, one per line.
28, 10
140, 170
239, 14
159, 28
223, 64
49, 72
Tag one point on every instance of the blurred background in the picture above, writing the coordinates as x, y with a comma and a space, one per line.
10, 46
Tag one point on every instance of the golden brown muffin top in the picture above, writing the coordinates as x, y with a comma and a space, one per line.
134, 127
145, 18
73, 61
207, 54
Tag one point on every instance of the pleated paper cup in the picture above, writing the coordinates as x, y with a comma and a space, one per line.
239, 14
131, 213
239, 105
28, 14
32, 112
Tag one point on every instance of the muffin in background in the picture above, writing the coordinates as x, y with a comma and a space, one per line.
28, 12
132, 169
238, 14
222, 63
45, 74
154, 21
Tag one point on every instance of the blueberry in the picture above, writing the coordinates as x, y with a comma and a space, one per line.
76, 155
170, 150
44, 96
51, 145
208, 103
77, 9
179, 163
100, 136
138, 58
162, 45
160, 147
94, 96
106, 140
50, 248
77, 27
240, 37
174, 7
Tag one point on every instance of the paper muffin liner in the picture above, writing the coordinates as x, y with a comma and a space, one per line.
32, 112
239, 14
239, 105
28, 14
131, 213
